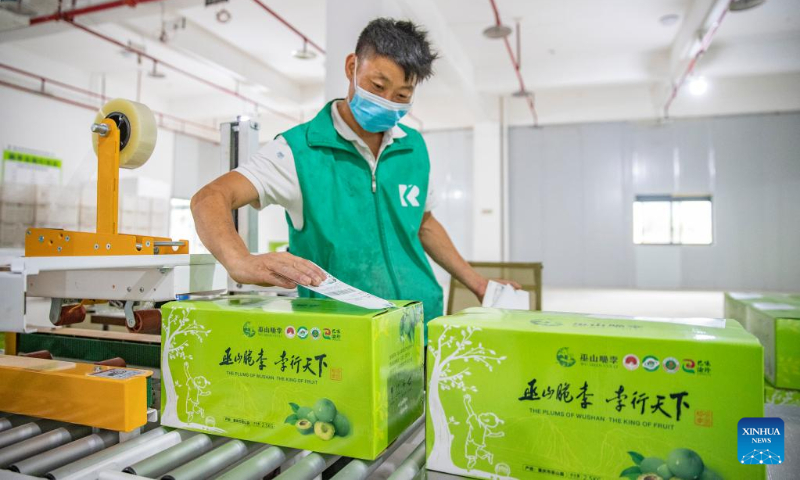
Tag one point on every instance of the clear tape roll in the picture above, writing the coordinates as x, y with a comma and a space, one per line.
138, 134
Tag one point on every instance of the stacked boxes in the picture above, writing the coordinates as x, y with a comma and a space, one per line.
777, 326
87, 218
65, 207
303, 373
159, 217
774, 318
531, 395
57, 207
17, 213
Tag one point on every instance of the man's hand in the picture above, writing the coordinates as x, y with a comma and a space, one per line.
211, 209
480, 290
281, 268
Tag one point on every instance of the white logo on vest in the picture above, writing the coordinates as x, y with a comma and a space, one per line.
408, 195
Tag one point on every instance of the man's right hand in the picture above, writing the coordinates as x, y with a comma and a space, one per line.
280, 268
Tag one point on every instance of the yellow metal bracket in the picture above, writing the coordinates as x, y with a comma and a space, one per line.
48, 242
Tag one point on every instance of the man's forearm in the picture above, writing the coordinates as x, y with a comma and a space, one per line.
438, 245
215, 227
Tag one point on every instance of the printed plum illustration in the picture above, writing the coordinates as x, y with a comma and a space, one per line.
304, 426
408, 325
324, 430
681, 464
303, 412
685, 463
709, 474
664, 472
325, 410
651, 464
323, 420
341, 424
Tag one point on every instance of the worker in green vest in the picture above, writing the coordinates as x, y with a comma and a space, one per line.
355, 185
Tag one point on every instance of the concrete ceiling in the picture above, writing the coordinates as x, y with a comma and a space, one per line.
576, 48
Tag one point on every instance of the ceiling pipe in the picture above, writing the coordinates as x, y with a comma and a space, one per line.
182, 71
94, 109
76, 12
515, 63
290, 26
705, 42
102, 97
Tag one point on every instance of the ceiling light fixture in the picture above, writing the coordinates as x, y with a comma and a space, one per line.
497, 31
698, 85
669, 19
304, 53
154, 73
223, 16
739, 5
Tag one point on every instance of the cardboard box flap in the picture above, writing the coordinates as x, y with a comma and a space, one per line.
778, 308
700, 329
286, 305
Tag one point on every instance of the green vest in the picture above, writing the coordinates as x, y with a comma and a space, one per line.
364, 230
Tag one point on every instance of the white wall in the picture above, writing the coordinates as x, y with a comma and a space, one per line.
451, 157
572, 189
36, 122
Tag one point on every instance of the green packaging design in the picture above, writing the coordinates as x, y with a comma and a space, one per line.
516, 394
776, 323
778, 396
311, 374
736, 303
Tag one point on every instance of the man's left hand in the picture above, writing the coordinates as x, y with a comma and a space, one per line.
481, 291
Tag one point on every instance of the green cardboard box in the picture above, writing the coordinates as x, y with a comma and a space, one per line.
311, 374
778, 396
516, 394
736, 303
777, 326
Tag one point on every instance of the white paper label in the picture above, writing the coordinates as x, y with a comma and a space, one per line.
336, 289
505, 296
118, 373
744, 295
773, 306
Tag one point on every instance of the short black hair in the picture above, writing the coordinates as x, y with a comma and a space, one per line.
401, 41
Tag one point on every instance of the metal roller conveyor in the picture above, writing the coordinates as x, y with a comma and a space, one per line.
27, 430
159, 464
118, 456
360, 469
309, 467
41, 443
259, 464
10, 421
216, 460
412, 465
58, 457
159, 453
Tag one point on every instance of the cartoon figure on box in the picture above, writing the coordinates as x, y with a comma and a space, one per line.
456, 355
195, 388
481, 427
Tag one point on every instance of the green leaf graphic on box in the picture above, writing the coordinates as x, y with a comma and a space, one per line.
631, 472
294, 406
291, 419
637, 457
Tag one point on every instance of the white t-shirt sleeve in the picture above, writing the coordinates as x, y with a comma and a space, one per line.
431, 201
273, 173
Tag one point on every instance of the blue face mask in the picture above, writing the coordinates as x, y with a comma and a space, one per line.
374, 113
